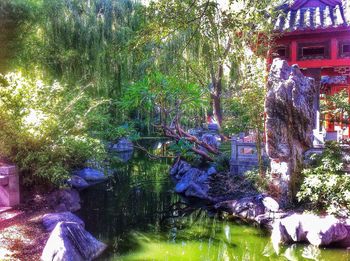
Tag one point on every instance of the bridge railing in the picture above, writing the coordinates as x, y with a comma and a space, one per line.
244, 156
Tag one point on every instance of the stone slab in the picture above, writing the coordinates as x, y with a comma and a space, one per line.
8, 170
9, 194
4, 180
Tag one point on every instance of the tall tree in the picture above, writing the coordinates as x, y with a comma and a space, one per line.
216, 33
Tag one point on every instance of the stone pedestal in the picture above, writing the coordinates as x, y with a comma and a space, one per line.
9, 186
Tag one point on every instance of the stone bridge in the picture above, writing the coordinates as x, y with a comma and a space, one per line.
244, 156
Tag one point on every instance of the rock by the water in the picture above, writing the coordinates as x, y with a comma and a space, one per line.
213, 127
191, 182
247, 208
290, 117
125, 156
197, 191
186, 180
179, 169
325, 231
90, 174
77, 182
69, 241
50, 220
123, 145
64, 200
211, 171
316, 230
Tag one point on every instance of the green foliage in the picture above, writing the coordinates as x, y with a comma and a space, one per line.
260, 183
247, 103
42, 128
222, 162
337, 106
211, 43
183, 148
117, 61
166, 96
326, 186
84, 41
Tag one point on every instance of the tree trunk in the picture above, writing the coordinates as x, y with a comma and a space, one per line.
259, 152
216, 95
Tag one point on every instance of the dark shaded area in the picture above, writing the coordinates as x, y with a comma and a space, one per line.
12, 16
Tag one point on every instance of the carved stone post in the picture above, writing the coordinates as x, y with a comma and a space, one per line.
290, 114
9, 186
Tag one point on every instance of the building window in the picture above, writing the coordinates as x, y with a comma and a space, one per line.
282, 52
344, 49
313, 51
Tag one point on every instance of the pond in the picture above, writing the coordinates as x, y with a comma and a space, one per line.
140, 218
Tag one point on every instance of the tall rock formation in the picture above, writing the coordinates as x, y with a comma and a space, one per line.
289, 122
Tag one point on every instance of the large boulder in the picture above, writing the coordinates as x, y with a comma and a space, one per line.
318, 231
64, 200
77, 182
125, 156
247, 208
290, 118
123, 145
179, 169
194, 183
190, 181
50, 220
90, 174
325, 231
212, 140
69, 241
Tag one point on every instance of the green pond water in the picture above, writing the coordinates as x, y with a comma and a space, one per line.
140, 218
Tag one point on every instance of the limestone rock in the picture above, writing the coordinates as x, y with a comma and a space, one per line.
70, 242
90, 174
50, 220
124, 144
325, 231
318, 231
77, 182
125, 156
179, 169
211, 140
247, 208
211, 171
191, 182
290, 117
64, 200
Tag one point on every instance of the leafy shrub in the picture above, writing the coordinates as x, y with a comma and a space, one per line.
183, 148
261, 183
222, 162
326, 187
42, 128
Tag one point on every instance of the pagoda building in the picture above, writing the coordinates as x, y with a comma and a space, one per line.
315, 35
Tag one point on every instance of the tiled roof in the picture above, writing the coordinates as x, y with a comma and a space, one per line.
313, 14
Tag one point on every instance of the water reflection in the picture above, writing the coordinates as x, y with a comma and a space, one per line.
140, 218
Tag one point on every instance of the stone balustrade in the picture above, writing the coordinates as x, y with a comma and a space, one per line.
9, 186
244, 156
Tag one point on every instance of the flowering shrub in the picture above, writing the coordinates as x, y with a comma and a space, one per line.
326, 186
42, 129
